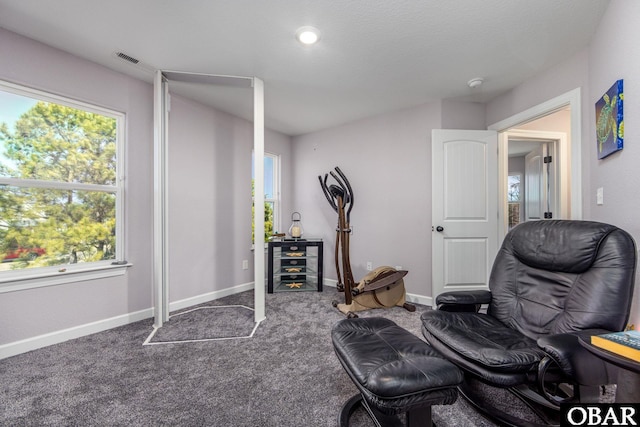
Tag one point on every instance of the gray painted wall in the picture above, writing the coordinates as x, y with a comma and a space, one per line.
387, 158
386, 146
616, 55
38, 311
210, 197
612, 55
210, 193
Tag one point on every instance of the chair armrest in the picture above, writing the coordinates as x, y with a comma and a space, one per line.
463, 300
576, 361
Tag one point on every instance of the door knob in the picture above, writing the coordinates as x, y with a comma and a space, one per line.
439, 229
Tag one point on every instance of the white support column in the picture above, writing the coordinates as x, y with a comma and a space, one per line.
160, 223
259, 242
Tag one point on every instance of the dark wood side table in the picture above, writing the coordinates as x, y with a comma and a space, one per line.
628, 389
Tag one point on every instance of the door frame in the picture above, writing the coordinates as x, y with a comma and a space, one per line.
571, 99
560, 154
161, 261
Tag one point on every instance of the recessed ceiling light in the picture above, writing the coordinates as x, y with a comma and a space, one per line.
308, 35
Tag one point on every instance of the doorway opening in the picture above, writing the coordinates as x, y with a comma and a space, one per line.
552, 131
161, 250
530, 182
537, 176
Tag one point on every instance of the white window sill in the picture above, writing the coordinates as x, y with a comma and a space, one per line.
59, 276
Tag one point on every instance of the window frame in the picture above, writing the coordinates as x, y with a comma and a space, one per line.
277, 215
277, 173
518, 202
13, 280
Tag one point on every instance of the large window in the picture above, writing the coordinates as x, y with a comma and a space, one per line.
60, 183
271, 194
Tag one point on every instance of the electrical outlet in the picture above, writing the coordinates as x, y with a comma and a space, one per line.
245, 264
369, 266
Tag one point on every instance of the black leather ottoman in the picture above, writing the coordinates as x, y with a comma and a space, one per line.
395, 371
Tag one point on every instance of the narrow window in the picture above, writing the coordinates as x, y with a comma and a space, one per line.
514, 200
271, 194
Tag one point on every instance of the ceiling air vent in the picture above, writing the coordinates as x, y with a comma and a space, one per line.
133, 61
127, 58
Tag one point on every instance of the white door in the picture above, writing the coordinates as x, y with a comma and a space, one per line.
464, 209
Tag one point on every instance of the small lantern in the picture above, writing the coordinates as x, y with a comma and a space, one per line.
295, 230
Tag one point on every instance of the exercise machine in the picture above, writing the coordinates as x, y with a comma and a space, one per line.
383, 287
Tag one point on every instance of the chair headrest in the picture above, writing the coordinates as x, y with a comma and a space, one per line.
559, 245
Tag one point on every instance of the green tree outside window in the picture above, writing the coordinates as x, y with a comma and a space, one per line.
268, 218
52, 143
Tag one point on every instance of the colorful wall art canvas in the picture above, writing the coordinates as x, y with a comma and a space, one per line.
609, 121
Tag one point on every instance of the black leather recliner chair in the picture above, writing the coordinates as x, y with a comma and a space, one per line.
551, 282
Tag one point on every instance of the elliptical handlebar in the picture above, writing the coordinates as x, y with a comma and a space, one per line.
325, 190
345, 192
331, 191
349, 192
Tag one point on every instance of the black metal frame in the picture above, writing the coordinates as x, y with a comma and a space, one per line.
548, 412
502, 418
418, 417
302, 242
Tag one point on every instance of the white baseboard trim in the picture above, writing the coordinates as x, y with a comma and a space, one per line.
330, 282
419, 299
57, 337
209, 296
415, 298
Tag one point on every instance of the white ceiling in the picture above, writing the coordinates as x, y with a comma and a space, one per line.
374, 56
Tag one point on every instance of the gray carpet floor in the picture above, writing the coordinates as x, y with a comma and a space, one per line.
285, 375
206, 322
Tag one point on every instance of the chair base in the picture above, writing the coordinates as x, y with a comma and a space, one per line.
419, 417
547, 415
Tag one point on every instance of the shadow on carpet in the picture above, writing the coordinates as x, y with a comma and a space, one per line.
205, 323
